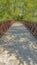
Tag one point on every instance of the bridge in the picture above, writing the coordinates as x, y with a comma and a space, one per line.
18, 46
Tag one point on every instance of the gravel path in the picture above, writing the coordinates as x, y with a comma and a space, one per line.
18, 46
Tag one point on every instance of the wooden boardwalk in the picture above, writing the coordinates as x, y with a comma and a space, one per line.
18, 46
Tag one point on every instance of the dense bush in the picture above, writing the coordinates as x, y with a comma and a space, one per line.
12, 8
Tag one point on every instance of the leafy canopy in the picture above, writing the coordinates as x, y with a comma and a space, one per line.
18, 9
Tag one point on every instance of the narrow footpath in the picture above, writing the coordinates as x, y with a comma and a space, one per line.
18, 46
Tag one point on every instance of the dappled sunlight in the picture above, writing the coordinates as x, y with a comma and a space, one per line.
33, 45
17, 24
7, 38
20, 47
8, 59
23, 39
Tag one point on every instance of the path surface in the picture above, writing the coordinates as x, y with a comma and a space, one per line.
18, 46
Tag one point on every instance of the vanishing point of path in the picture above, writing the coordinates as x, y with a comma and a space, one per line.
18, 46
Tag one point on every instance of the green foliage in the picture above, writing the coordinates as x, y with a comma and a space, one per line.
13, 8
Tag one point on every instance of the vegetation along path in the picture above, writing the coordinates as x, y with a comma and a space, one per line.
18, 46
